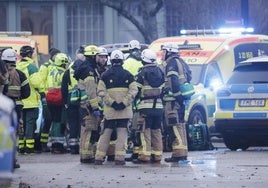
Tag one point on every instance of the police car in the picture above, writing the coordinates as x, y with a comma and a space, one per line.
241, 114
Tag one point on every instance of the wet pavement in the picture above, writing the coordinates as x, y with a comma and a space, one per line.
216, 168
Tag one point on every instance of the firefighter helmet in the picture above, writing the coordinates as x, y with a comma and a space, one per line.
61, 59
171, 47
91, 50
148, 56
9, 55
102, 51
117, 54
134, 44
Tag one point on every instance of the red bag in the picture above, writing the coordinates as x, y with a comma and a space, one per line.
54, 97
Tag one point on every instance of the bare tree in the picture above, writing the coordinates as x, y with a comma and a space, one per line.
149, 8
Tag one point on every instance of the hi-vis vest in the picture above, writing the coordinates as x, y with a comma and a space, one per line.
54, 78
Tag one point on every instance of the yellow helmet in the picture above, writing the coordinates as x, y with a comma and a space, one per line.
61, 59
91, 50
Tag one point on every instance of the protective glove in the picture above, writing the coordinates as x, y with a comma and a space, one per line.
121, 106
114, 105
96, 113
118, 106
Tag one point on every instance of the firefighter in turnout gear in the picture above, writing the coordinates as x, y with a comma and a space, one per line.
101, 59
87, 78
150, 81
174, 102
118, 89
44, 71
18, 88
31, 104
133, 64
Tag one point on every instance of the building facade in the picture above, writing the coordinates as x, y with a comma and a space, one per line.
68, 23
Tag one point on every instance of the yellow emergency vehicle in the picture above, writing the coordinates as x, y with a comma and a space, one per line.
211, 58
16, 40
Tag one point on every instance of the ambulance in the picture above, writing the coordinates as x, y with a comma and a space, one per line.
16, 40
211, 57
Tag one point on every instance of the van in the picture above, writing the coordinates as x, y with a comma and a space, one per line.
211, 58
16, 40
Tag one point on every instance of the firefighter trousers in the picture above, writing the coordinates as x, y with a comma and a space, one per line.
120, 126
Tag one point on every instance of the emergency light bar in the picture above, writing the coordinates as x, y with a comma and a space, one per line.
234, 30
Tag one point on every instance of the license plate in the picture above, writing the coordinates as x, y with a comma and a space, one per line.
252, 103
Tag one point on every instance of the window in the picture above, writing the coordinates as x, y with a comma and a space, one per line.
85, 25
3, 16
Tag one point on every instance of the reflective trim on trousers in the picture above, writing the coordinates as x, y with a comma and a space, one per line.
143, 146
157, 152
44, 137
86, 152
100, 153
178, 136
21, 143
30, 143
58, 140
120, 153
73, 141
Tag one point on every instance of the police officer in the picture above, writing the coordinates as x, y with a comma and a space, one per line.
118, 89
87, 78
174, 103
150, 82
30, 110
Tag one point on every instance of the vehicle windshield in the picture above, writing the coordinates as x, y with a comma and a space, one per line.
196, 73
250, 74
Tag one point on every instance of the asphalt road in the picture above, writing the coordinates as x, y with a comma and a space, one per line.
216, 168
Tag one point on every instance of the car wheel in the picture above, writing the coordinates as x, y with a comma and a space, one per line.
196, 117
234, 142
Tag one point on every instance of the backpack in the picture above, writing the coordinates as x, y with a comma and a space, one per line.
154, 77
54, 95
198, 137
187, 89
186, 70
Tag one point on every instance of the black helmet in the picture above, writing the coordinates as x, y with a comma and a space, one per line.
25, 50
53, 51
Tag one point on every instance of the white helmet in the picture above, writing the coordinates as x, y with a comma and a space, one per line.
102, 51
117, 54
171, 47
9, 55
148, 56
134, 44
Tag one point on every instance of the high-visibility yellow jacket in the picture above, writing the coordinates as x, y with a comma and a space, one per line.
43, 72
132, 65
27, 66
